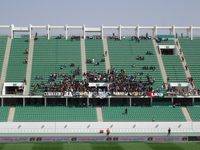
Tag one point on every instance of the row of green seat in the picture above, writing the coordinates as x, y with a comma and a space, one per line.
16, 71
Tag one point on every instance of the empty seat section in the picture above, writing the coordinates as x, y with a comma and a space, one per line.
51, 114
4, 114
3, 41
123, 54
194, 112
54, 56
94, 50
174, 68
16, 71
191, 50
157, 113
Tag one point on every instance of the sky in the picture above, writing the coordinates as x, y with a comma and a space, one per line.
98, 12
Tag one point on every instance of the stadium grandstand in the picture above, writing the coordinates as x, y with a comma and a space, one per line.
104, 87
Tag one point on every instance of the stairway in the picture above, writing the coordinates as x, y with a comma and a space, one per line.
106, 54
184, 62
11, 114
160, 61
83, 56
5, 63
99, 114
29, 67
186, 114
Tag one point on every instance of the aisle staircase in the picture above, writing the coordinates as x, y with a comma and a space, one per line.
29, 67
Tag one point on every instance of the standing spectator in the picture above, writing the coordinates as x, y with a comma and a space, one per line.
126, 111
108, 132
169, 131
182, 57
186, 66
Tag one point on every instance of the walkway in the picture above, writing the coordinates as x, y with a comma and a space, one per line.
83, 56
106, 54
186, 114
160, 61
99, 114
11, 114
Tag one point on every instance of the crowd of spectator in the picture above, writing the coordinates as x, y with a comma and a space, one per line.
117, 81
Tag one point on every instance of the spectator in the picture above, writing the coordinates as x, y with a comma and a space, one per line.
105, 54
26, 51
169, 131
133, 65
26, 60
186, 66
126, 111
108, 132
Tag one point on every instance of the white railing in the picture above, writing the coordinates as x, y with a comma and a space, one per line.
95, 127
135, 29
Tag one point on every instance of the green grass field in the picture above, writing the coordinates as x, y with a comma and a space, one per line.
101, 146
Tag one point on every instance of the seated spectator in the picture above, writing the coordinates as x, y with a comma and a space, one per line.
140, 58
72, 65
93, 60
133, 65
103, 60
149, 53
26, 51
89, 61
96, 64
